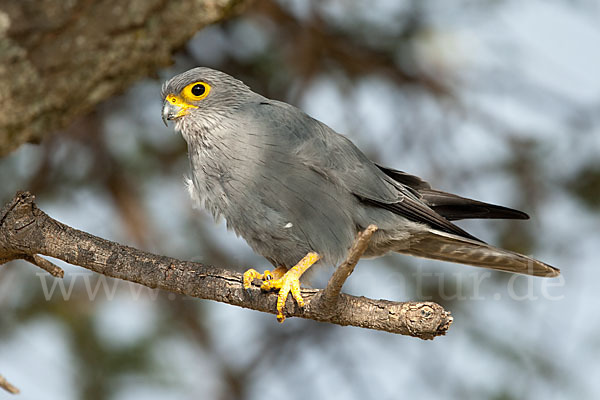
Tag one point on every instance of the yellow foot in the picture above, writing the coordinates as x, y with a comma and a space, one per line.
252, 274
289, 282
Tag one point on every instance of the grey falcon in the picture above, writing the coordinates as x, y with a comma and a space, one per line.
298, 192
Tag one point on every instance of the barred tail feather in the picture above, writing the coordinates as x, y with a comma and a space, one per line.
444, 246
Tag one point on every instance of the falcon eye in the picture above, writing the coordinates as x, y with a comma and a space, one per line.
196, 91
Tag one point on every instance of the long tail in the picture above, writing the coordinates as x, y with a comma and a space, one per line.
444, 246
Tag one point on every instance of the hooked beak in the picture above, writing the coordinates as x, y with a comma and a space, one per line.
169, 112
175, 107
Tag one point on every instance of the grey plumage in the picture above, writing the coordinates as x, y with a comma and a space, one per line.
288, 184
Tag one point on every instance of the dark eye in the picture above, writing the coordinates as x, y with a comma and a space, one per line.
195, 91
198, 90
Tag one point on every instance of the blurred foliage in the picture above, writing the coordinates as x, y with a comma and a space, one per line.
123, 163
586, 186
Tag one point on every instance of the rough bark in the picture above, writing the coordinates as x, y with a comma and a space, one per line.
58, 59
26, 232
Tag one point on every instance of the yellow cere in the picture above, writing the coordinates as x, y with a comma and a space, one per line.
179, 102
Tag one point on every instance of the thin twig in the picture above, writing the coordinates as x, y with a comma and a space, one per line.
6, 385
331, 294
25, 231
46, 265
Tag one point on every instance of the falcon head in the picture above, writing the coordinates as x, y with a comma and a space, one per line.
201, 96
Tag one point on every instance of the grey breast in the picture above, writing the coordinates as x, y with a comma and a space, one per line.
252, 170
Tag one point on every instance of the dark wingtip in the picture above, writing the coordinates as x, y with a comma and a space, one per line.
516, 214
500, 212
474, 209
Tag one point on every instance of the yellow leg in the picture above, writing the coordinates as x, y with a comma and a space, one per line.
275, 274
252, 274
290, 282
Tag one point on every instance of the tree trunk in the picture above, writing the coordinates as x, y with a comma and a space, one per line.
58, 58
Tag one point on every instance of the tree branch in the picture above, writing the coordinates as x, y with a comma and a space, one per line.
26, 231
6, 385
331, 294
46, 265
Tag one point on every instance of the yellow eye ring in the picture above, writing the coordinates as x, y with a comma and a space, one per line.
196, 91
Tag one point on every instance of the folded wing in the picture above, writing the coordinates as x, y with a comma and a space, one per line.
451, 206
